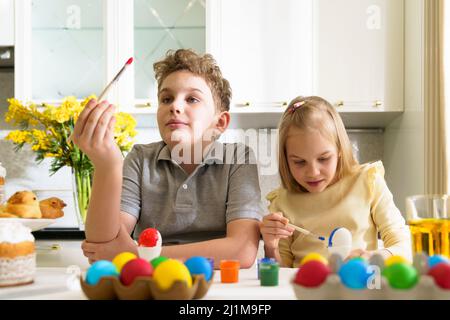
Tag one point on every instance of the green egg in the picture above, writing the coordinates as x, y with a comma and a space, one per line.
401, 275
156, 261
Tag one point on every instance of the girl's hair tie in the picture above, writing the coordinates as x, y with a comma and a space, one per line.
296, 105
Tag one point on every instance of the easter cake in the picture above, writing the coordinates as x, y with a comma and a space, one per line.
376, 279
17, 254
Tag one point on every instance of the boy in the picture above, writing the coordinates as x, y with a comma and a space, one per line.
185, 186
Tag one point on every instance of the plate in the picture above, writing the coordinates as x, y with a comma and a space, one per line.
33, 224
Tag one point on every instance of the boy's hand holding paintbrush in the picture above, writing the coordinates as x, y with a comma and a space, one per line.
94, 131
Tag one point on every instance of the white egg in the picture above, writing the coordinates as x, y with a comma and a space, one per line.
340, 242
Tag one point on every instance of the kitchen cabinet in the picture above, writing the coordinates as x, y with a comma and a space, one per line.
347, 51
358, 54
67, 49
7, 22
160, 25
264, 50
76, 48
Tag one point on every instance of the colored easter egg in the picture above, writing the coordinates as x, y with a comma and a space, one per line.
395, 259
199, 265
100, 269
135, 268
401, 275
150, 237
312, 274
441, 275
313, 257
122, 258
170, 271
436, 259
156, 261
355, 273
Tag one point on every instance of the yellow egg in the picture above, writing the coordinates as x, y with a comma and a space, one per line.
122, 258
169, 271
395, 259
313, 257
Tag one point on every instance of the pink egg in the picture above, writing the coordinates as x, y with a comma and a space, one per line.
135, 268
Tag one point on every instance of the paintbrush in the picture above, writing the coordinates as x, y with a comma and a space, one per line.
109, 86
307, 232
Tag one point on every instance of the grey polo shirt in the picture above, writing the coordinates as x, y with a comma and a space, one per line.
196, 207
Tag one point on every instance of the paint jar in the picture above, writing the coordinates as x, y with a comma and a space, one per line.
264, 260
229, 271
269, 274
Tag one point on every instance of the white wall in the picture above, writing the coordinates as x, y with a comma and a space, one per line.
404, 138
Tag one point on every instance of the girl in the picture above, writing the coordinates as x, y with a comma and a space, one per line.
324, 187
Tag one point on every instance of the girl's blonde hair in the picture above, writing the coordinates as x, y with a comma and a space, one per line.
314, 113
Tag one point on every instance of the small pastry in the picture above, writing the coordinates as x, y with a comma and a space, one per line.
51, 208
24, 204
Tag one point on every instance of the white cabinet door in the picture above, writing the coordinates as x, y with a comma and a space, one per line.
6, 23
67, 43
358, 53
263, 48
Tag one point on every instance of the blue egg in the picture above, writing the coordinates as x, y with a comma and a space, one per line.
199, 265
436, 259
355, 273
100, 269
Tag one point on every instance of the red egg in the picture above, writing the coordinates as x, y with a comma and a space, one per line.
312, 274
135, 268
148, 238
441, 275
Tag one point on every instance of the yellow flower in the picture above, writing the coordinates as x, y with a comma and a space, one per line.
41, 140
46, 130
18, 136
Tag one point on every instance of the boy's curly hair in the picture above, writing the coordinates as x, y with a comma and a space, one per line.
204, 66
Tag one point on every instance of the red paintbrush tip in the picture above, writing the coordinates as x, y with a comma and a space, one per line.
129, 61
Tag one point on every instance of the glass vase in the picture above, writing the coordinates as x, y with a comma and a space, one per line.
82, 192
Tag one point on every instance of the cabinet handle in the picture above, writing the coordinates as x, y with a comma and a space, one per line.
53, 247
277, 104
339, 104
243, 104
144, 105
378, 103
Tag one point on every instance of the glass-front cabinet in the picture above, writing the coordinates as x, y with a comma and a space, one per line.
161, 25
67, 49
76, 47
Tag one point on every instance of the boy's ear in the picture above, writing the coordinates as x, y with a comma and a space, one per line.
223, 121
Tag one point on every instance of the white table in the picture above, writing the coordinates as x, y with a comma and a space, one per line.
62, 283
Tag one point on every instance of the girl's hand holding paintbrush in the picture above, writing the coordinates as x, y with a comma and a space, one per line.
273, 228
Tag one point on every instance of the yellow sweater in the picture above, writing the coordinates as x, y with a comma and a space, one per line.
361, 202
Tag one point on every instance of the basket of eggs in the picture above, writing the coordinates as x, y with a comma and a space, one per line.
149, 276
